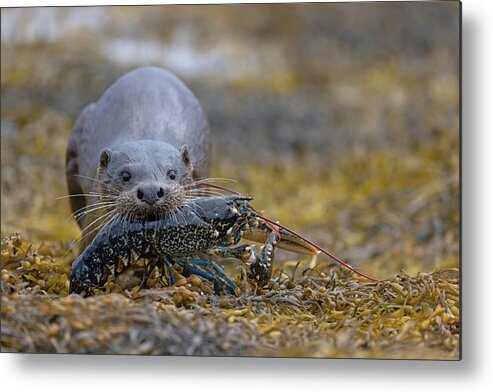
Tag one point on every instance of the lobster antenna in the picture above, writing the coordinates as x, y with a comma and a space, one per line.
320, 249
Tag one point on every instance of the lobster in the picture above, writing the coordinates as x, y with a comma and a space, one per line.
212, 225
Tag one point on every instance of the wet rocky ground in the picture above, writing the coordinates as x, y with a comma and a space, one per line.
341, 120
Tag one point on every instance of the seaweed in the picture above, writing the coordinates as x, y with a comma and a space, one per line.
314, 312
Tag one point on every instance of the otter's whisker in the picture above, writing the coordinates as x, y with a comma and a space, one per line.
179, 215
205, 191
204, 188
108, 187
91, 194
93, 207
84, 233
87, 234
97, 220
191, 203
172, 216
191, 208
204, 185
89, 178
203, 194
82, 215
213, 180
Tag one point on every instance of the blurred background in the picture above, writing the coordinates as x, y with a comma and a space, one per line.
341, 119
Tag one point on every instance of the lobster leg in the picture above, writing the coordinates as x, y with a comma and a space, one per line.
245, 253
260, 270
260, 265
167, 273
147, 272
165, 269
211, 271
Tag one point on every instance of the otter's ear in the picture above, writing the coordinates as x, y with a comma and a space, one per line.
104, 158
185, 156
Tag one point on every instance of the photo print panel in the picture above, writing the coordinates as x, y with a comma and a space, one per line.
259, 180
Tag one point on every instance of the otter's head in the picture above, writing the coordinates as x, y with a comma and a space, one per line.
148, 179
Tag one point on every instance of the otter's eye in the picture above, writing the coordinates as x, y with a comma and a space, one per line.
125, 176
172, 174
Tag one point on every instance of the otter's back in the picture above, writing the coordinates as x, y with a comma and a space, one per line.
146, 104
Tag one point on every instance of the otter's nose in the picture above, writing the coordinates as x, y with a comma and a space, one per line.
150, 193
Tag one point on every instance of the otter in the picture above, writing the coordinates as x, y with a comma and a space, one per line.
135, 152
